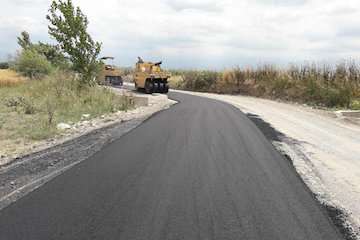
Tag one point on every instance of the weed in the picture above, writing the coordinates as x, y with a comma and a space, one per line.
323, 85
32, 110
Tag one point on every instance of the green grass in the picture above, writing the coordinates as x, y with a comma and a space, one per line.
31, 111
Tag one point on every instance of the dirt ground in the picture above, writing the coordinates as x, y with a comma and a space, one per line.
324, 148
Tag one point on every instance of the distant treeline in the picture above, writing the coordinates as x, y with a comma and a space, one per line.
323, 85
4, 65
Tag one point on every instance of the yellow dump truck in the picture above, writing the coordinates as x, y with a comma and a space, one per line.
150, 77
110, 74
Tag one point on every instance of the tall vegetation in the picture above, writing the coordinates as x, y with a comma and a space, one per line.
32, 64
75, 49
52, 53
31, 110
68, 25
323, 85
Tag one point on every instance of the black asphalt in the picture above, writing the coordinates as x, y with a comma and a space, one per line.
199, 170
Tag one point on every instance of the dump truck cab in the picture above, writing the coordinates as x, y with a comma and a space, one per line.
110, 74
150, 77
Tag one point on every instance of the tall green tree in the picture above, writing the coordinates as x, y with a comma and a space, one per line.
68, 25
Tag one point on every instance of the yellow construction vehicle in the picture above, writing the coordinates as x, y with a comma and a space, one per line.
150, 77
110, 75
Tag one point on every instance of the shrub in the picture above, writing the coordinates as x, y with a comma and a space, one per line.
227, 83
280, 86
4, 65
355, 104
32, 64
200, 80
52, 53
20, 103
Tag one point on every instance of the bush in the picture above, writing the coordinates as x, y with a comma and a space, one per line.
4, 65
355, 104
32, 64
336, 98
20, 103
200, 80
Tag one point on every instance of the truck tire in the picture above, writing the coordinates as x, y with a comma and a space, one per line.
161, 87
149, 86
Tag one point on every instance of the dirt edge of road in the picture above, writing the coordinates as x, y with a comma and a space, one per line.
337, 215
26, 173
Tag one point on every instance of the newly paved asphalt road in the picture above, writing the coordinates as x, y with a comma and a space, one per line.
200, 170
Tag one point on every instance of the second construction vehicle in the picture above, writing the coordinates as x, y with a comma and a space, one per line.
150, 77
110, 75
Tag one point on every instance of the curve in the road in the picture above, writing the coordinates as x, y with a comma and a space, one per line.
199, 170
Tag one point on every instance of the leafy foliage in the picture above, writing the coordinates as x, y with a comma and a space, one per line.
24, 40
68, 25
52, 53
32, 64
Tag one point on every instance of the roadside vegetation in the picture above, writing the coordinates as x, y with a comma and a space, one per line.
321, 85
49, 84
31, 110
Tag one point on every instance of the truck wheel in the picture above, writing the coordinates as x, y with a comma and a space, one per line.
156, 87
149, 87
161, 87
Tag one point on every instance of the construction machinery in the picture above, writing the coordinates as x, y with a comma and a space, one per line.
110, 74
150, 77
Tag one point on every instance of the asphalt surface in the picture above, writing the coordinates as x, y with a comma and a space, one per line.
199, 170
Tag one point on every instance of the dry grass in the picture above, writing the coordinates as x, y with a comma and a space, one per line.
175, 81
9, 78
334, 86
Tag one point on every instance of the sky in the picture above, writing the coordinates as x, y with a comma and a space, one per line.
209, 34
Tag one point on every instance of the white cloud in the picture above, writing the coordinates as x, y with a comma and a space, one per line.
204, 33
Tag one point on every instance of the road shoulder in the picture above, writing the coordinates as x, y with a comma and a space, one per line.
25, 173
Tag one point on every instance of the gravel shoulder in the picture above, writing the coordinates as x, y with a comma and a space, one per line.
40, 162
324, 147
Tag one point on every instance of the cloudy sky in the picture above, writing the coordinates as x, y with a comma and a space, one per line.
203, 33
